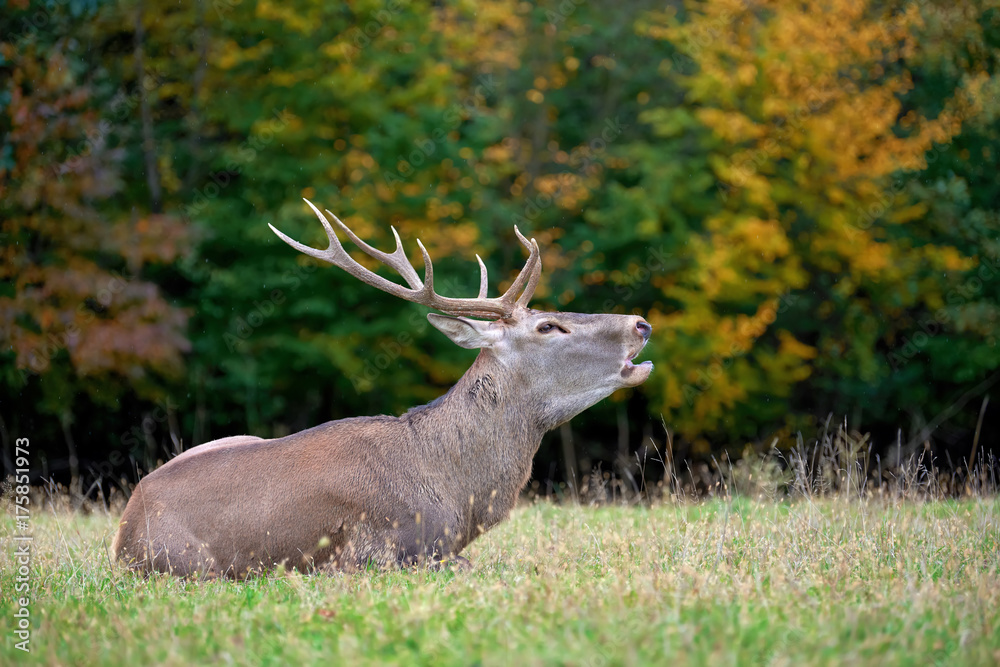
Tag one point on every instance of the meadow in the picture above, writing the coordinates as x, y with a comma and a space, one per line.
722, 581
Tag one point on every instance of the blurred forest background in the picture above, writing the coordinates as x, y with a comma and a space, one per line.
802, 198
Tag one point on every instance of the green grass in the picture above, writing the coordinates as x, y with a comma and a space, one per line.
721, 582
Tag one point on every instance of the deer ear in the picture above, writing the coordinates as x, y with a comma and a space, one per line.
470, 334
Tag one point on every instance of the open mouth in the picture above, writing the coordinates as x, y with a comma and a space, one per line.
628, 361
635, 374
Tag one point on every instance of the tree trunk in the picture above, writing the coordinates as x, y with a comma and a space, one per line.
194, 120
148, 141
75, 484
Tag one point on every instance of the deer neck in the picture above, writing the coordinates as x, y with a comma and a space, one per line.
483, 427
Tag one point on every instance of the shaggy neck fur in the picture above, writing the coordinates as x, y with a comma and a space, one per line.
482, 436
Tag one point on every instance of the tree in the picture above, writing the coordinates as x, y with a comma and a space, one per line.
814, 242
81, 319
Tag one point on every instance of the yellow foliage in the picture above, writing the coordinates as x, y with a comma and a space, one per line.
803, 102
232, 54
728, 125
488, 32
790, 346
951, 260
291, 16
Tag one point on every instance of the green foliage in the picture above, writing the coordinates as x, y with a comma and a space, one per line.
818, 244
809, 223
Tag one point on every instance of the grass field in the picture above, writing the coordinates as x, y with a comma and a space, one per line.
727, 581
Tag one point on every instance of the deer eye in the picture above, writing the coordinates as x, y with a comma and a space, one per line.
548, 327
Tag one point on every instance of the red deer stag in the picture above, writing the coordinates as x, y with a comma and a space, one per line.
389, 490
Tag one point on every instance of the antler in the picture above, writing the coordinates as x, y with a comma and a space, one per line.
422, 292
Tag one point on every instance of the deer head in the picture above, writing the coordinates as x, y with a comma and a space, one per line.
563, 362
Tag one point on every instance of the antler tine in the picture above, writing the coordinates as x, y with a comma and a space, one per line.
395, 260
484, 283
536, 273
520, 237
336, 255
422, 292
527, 276
478, 307
328, 255
428, 288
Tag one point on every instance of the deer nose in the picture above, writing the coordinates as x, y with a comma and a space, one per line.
644, 329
